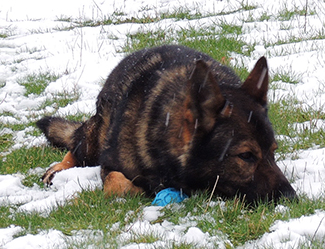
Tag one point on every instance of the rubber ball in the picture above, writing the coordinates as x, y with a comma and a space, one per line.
167, 196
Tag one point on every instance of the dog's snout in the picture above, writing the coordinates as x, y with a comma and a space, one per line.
291, 195
288, 192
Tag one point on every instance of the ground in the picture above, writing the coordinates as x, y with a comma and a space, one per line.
54, 58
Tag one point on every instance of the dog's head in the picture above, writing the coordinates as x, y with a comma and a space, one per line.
233, 141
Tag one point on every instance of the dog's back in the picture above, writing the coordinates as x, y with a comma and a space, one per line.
149, 94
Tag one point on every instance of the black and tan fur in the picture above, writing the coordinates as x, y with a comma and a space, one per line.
174, 117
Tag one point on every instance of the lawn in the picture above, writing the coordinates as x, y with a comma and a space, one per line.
60, 68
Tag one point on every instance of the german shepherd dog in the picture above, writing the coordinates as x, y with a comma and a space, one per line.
173, 117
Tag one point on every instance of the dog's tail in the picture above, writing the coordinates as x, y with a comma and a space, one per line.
58, 131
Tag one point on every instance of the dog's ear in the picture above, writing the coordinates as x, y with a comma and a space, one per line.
256, 84
204, 100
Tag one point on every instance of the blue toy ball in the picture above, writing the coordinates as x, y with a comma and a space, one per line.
168, 195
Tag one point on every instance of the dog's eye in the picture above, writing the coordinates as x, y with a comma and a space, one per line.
247, 157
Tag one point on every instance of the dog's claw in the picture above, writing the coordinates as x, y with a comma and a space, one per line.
48, 176
67, 162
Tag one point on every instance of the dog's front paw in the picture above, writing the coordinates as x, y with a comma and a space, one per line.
49, 174
68, 162
117, 184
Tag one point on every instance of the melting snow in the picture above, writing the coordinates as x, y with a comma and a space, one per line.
42, 42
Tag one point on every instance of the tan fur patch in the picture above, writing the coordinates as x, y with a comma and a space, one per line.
117, 184
188, 127
242, 171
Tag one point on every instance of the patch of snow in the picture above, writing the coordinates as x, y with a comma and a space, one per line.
40, 40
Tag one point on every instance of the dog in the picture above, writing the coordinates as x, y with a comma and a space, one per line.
171, 116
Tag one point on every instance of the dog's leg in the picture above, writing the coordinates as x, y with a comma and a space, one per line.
68, 162
117, 184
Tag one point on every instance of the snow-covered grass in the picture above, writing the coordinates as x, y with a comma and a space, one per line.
54, 59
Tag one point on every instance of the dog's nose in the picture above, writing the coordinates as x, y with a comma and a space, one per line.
292, 196
289, 193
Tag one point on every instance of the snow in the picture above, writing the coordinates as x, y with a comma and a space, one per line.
50, 239
41, 41
171, 234
308, 172
65, 186
6, 234
293, 234
152, 213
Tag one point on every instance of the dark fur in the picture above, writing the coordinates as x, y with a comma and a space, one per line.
174, 117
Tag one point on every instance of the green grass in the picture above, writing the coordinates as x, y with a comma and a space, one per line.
218, 43
285, 14
3, 35
91, 211
60, 100
283, 115
36, 83
119, 18
24, 159
319, 35
5, 139
287, 77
